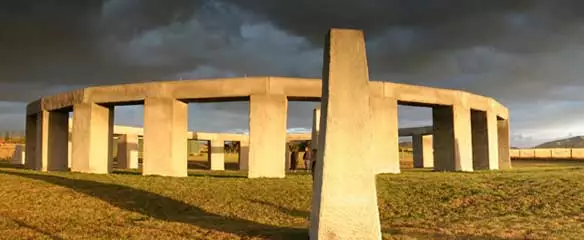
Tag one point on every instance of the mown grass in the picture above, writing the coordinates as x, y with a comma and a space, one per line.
542, 202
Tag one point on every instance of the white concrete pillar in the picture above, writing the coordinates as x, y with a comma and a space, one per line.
243, 155
484, 140
92, 138
217, 155
344, 198
19, 155
70, 146
452, 138
385, 143
128, 151
503, 143
423, 151
267, 136
315, 128
165, 137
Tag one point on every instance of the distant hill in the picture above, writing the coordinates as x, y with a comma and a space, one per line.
573, 142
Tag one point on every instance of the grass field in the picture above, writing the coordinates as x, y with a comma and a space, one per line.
536, 200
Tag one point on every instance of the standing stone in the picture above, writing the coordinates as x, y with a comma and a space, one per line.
165, 137
504, 145
244, 155
423, 151
267, 136
128, 151
385, 141
344, 199
217, 155
92, 138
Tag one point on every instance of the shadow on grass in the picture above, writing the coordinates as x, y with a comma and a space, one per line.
289, 211
167, 209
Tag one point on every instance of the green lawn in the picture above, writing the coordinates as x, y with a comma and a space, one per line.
530, 202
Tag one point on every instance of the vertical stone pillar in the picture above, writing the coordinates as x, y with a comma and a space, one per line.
503, 142
452, 138
315, 128
128, 151
18, 156
244, 155
385, 144
46, 141
484, 140
267, 136
92, 138
165, 137
31, 141
344, 198
423, 151
217, 152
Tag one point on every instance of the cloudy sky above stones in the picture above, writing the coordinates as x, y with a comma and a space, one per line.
527, 54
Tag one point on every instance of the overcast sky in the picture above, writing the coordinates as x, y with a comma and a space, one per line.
526, 54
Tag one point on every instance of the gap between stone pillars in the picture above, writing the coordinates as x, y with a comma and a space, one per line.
128, 151
165, 137
484, 140
217, 153
267, 136
385, 143
503, 143
92, 138
344, 197
452, 138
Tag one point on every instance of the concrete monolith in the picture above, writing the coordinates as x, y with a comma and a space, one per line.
165, 137
344, 199
267, 136
128, 151
217, 154
92, 138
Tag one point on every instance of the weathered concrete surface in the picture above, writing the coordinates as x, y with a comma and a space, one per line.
267, 136
484, 140
128, 151
452, 138
217, 155
423, 151
244, 155
344, 196
241, 88
48, 141
165, 137
385, 142
92, 138
56, 138
504, 143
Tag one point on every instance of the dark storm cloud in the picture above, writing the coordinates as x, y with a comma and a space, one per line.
517, 51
